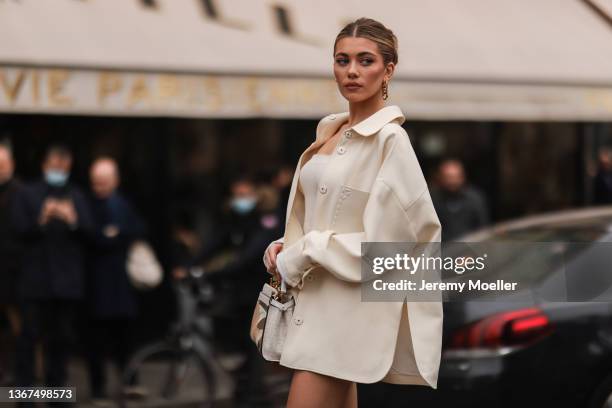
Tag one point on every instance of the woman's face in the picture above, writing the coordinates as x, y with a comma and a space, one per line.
359, 69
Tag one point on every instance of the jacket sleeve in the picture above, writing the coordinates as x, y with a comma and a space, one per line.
243, 265
399, 209
85, 227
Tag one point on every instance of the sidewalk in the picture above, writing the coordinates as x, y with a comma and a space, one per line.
78, 377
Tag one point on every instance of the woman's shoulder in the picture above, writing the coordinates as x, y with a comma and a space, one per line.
393, 130
392, 136
333, 116
328, 118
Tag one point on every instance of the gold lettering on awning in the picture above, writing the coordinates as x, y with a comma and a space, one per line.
168, 86
56, 84
11, 91
139, 91
108, 83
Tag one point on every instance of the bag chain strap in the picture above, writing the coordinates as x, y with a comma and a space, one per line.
279, 295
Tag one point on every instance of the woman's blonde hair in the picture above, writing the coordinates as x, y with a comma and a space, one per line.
375, 31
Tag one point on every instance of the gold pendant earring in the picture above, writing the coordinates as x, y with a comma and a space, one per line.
385, 90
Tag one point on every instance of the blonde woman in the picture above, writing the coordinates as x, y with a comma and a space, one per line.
359, 181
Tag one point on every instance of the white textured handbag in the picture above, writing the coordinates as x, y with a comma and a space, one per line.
271, 319
143, 268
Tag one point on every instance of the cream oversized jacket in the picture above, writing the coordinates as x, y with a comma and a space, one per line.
372, 190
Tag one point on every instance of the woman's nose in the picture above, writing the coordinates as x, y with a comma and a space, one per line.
352, 69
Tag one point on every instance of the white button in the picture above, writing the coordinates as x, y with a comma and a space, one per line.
341, 150
332, 117
298, 321
348, 134
323, 189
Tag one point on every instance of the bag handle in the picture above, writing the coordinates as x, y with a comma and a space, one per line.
279, 295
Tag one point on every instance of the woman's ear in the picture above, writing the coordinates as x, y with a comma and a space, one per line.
389, 70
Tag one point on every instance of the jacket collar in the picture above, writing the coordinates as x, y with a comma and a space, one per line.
366, 127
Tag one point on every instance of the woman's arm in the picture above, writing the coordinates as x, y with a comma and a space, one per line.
399, 209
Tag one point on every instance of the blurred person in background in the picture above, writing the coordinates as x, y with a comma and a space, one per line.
113, 302
53, 219
250, 224
185, 240
10, 262
461, 207
282, 182
603, 178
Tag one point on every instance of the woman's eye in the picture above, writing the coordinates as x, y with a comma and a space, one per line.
367, 61
341, 61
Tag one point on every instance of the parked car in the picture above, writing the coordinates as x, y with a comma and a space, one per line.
527, 352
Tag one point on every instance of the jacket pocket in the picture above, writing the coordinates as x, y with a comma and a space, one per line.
348, 213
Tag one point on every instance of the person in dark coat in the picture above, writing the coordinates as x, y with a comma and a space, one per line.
246, 231
603, 178
460, 207
53, 219
112, 299
10, 261
282, 182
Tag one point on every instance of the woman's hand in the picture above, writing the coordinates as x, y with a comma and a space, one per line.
270, 259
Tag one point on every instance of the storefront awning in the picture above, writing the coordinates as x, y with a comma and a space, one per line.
473, 59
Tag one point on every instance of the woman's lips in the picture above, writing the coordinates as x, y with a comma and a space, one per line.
352, 87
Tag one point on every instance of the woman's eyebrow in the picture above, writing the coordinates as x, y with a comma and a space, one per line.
359, 54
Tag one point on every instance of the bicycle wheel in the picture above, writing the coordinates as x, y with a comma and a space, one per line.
163, 375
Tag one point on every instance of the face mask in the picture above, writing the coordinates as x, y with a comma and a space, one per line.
243, 205
56, 178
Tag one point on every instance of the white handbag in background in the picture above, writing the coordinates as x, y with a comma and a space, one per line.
143, 268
